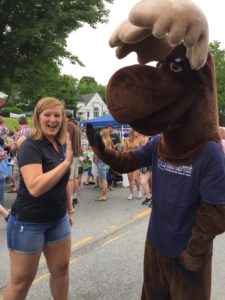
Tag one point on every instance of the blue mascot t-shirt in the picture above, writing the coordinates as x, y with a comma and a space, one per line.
177, 192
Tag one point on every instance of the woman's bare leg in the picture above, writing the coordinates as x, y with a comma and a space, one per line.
23, 268
57, 257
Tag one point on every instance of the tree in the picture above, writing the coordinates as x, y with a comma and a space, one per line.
219, 57
66, 91
36, 31
88, 85
46, 81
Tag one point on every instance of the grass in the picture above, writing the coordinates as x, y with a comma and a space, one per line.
10, 123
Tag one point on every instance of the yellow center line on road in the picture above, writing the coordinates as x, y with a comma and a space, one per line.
82, 242
121, 235
40, 278
137, 216
110, 228
142, 214
114, 239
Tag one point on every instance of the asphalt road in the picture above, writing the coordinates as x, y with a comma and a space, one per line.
107, 251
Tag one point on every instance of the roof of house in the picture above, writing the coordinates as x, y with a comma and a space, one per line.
3, 95
86, 98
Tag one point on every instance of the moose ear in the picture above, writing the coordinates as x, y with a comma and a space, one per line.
129, 38
159, 25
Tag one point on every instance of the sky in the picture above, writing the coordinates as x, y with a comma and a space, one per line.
92, 48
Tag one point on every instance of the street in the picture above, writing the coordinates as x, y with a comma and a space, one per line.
107, 250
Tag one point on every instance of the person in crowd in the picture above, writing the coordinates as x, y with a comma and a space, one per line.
3, 129
132, 142
88, 160
146, 177
5, 169
21, 134
114, 137
116, 142
2, 177
146, 183
102, 167
95, 171
40, 218
75, 137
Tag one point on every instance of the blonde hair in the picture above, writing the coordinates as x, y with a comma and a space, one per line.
106, 138
43, 104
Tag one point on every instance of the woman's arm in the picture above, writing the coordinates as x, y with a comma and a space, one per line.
38, 182
69, 205
4, 212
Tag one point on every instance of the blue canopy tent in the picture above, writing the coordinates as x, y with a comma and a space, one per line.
103, 121
106, 120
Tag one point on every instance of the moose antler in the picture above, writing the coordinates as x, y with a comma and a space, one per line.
156, 26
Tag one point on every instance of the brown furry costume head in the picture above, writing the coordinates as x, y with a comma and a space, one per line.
177, 99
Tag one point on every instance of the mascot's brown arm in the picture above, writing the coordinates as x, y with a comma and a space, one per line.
122, 162
210, 222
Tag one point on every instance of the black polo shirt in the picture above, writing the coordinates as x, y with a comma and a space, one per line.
50, 206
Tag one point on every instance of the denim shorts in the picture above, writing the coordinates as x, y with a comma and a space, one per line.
89, 171
102, 170
29, 238
80, 170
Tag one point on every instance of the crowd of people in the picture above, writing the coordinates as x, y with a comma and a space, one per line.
9, 145
46, 165
102, 176
84, 162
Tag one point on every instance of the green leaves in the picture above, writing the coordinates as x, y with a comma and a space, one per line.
219, 57
33, 37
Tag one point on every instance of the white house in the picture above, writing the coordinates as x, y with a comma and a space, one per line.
90, 106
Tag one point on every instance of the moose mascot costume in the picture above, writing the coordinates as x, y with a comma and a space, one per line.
176, 101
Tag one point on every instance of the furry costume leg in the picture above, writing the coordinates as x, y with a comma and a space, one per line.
164, 281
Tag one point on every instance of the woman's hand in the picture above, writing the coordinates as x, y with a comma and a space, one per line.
71, 217
69, 151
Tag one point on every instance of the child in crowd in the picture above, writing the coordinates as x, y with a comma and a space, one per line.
88, 159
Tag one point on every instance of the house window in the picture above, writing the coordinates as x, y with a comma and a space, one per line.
96, 112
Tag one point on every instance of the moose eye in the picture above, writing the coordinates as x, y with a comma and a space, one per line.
159, 64
178, 65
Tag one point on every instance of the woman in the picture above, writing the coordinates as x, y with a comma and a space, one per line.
102, 167
40, 217
133, 141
